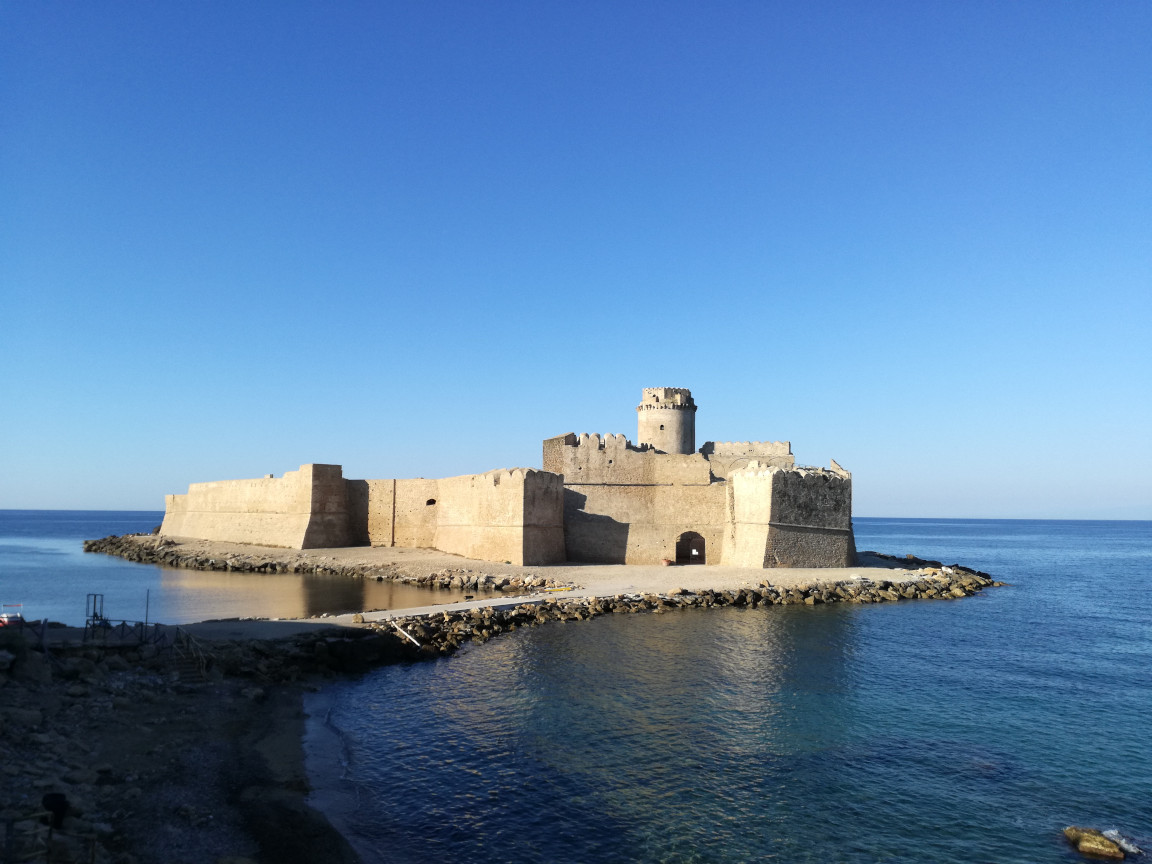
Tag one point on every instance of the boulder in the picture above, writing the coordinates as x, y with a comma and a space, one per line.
32, 666
1090, 842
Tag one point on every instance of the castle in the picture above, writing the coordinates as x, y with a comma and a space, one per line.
599, 499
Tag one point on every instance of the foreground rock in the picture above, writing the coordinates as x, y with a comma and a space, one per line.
130, 756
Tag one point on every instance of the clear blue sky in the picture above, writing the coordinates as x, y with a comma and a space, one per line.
416, 238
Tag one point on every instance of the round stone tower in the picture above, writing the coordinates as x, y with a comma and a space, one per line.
666, 419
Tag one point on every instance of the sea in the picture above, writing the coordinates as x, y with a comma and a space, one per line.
969, 730
947, 731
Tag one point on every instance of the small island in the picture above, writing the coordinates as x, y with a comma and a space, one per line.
606, 527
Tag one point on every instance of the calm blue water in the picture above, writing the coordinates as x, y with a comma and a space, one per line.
43, 567
942, 731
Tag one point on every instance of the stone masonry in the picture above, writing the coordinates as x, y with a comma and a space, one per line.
598, 499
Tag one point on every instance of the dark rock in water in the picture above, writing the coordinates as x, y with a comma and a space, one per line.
1090, 842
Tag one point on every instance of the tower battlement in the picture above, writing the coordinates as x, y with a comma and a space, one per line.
666, 419
666, 397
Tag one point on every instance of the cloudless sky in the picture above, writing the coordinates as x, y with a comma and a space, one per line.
416, 238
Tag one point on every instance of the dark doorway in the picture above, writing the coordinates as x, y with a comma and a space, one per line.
690, 548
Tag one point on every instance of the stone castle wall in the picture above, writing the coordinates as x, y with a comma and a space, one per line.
613, 459
514, 516
600, 498
304, 509
791, 518
724, 457
636, 524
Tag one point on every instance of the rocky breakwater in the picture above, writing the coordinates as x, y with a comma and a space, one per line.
444, 632
152, 549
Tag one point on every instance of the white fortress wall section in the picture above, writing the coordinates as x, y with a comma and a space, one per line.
751, 496
513, 515
505, 515
304, 509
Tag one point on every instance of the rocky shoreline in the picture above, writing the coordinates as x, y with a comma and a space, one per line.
194, 752
445, 632
150, 549
398, 637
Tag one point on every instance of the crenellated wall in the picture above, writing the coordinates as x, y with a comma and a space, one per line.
304, 509
625, 504
724, 457
613, 459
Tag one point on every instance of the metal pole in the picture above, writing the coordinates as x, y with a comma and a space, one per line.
147, 600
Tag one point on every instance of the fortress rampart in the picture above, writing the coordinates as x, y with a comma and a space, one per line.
724, 457
508, 515
599, 498
614, 460
304, 509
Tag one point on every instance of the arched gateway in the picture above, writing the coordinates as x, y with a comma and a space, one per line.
690, 548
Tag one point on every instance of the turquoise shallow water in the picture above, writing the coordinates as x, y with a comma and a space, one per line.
945, 731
